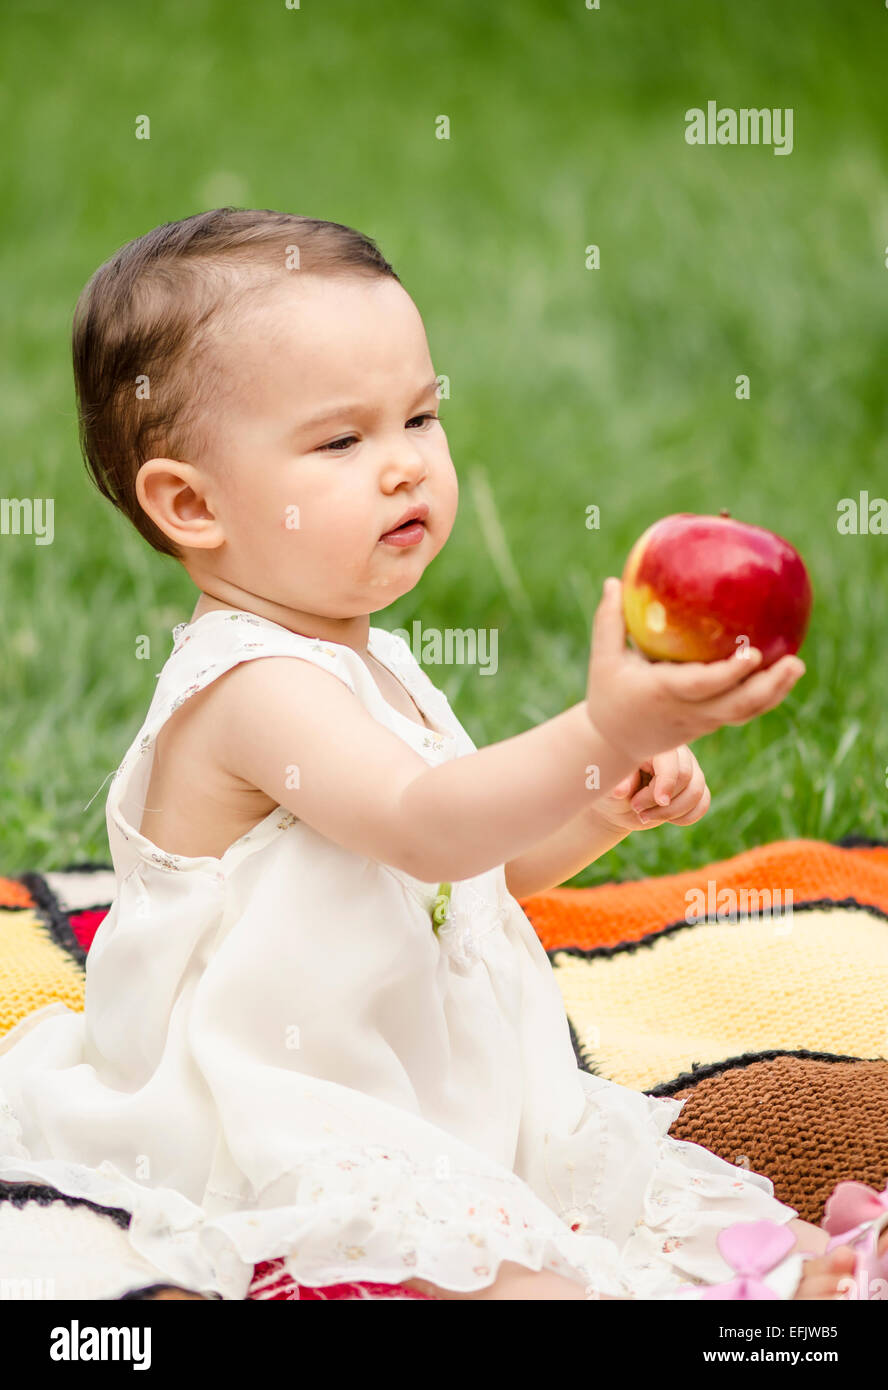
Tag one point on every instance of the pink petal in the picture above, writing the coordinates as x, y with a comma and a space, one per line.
754, 1247
850, 1204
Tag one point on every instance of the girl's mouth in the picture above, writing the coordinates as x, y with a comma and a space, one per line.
411, 533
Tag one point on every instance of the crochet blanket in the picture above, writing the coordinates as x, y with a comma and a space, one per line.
755, 989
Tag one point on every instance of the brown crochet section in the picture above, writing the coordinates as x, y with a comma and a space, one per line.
806, 1125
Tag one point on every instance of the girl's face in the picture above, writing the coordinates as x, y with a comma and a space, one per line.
329, 434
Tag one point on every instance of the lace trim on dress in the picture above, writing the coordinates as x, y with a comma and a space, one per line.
357, 1209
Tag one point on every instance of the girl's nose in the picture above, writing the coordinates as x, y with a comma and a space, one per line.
406, 463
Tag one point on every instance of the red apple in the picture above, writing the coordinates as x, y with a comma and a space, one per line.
695, 587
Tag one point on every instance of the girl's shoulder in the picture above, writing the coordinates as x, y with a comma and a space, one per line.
222, 638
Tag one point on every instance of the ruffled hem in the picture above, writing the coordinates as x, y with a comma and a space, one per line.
340, 1213
344, 1214
692, 1195
219, 1255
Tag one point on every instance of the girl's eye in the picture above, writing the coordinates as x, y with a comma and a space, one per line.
338, 445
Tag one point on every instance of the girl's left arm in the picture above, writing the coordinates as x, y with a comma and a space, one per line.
669, 787
558, 858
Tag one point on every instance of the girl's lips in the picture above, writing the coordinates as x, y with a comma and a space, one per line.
409, 534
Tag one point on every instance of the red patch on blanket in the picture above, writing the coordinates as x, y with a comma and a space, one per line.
271, 1281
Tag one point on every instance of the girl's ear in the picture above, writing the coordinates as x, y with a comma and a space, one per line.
173, 495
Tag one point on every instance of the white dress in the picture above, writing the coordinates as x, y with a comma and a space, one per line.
279, 1056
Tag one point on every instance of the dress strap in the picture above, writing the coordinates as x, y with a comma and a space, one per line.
202, 651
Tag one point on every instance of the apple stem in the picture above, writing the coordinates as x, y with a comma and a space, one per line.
724, 512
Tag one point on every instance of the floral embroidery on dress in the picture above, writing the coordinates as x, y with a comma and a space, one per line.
490, 1214
244, 618
318, 646
575, 1217
179, 641
186, 695
164, 860
672, 1243
589, 1214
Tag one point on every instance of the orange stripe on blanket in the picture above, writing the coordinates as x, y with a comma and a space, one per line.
616, 912
14, 894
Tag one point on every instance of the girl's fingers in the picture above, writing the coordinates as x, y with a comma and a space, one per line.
688, 765
685, 767
673, 771
704, 680
828, 1276
689, 806
667, 767
629, 784
697, 811
609, 625
644, 799
760, 693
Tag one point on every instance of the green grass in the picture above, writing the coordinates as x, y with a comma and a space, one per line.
568, 386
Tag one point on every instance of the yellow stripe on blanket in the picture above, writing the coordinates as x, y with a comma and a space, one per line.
34, 970
816, 981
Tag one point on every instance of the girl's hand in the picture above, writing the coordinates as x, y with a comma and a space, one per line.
668, 787
643, 708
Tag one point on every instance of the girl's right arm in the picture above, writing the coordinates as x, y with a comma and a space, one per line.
316, 750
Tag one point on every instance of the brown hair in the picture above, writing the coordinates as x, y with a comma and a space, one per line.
150, 312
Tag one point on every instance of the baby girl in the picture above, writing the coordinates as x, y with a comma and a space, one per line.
318, 1026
